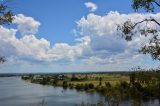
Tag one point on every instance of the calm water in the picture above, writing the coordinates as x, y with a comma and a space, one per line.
16, 92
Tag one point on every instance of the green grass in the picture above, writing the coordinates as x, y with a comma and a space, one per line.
94, 79
113, 79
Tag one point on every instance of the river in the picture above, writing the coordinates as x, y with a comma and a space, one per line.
16, 92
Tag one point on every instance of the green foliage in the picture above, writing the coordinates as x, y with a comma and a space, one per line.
99, 103
85, 87
79, 87
74, 78
108, 85
44, 81
148, 5
71, 86
6, 17
144, 84
2, 59
55, 82
132, 78
154, 50
91, 86
128, 29
100, 81
65, 84
113, 95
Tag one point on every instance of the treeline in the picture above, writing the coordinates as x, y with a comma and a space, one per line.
8, 75
142, 85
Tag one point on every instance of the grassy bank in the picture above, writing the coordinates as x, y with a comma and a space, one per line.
77, 79
138, 86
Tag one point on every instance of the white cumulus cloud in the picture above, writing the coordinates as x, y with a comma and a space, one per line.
92, 6
97, 47
26, 25
29, 47
106, 46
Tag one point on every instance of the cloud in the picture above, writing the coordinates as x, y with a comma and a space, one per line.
93, 7
26, 25
28, 46
105, 44
97, 46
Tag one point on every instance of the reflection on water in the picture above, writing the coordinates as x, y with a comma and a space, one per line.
16, 92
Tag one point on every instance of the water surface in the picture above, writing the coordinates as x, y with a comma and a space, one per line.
16, 92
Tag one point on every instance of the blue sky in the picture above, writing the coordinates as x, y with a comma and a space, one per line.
58, 17
70, 36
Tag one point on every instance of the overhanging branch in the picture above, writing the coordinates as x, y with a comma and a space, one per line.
156, 3
146, 20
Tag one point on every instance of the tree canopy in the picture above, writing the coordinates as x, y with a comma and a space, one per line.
129, 28
148, 5
6, 17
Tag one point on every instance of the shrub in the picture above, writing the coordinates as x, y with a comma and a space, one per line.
71, 86
65, 85
91, 86
100, 81
79, 86
108, 85
86, 87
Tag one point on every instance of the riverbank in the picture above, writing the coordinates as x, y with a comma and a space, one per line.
80, 82
17, 92
137, 86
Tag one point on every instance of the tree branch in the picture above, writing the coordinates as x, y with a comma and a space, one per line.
156, 3
153, 20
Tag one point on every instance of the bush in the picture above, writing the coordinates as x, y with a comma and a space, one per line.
65, 85
55, 82
79, 86
74, 78
100, 81
101, 89
71, 86
91, 86
86, 87
108, 85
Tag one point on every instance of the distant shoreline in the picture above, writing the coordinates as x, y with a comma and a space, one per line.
50, 73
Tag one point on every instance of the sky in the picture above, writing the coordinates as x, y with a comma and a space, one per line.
71, 36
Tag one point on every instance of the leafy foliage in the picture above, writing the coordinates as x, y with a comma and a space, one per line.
148, 5
130, 29
2, 59
127, 30
6, 17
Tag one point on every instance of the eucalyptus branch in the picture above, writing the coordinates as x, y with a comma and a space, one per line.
6, 17
156, 3
146, 20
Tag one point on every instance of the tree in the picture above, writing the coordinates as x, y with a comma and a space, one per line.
2, 59
129, 28
6, 17
100, 81
148, 5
